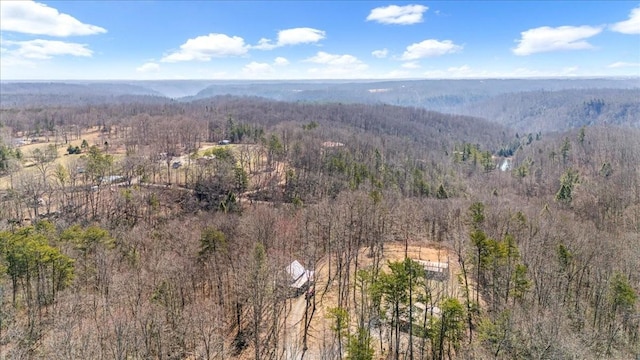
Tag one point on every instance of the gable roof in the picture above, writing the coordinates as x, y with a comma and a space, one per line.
298, 275
295, 270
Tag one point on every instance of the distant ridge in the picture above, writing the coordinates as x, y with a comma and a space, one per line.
543, 104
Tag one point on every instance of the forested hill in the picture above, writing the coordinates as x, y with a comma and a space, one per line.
525, 105
133, 230
433, 94
402, 136
434, 130
535, 111
37, 94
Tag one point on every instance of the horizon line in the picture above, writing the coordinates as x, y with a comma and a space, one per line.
595, 77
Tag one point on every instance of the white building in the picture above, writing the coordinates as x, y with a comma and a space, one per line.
299, 277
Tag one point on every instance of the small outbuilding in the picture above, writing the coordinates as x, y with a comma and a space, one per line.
299, 278
435, 269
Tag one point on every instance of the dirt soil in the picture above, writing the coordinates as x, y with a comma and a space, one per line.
93, 137
320, 326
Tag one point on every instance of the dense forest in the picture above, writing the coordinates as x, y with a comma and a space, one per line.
529, 105
144, 227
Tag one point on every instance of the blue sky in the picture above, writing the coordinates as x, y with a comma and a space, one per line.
84, 40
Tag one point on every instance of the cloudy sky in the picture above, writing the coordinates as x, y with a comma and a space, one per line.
55, 40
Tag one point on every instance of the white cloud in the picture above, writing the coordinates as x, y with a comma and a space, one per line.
467, 72
622, 64
411, 65
39, 49
430, 48
7, 60
300, 36
331, 59
460, 71
398, 15
396, 74
380, 54
545, 39
148, 67
435, 74
629, 26
205, 47
265, 44
524, 72
454, 72
336, 65
280, 61
30, 17
256, 68
333, 72
293, 36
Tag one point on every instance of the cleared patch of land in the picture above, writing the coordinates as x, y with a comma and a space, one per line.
319, 329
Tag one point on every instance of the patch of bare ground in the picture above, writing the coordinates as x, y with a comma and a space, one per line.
93, 136
319, 334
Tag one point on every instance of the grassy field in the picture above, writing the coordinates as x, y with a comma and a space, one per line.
93, 137
248, 156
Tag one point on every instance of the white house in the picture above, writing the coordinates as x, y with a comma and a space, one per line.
299, 277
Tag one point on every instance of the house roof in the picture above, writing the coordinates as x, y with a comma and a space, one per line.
298, 275
434, 266
331, 144
295, 270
